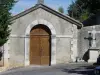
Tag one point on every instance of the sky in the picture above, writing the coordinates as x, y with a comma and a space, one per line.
22, 5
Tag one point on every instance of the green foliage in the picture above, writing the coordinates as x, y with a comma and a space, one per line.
61, 9
84, 16
83, 9
5, 15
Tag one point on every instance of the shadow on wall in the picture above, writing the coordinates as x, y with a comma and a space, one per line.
86, 56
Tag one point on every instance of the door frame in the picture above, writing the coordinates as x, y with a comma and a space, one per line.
53, 40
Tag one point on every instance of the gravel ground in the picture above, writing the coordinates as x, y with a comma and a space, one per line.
66, 69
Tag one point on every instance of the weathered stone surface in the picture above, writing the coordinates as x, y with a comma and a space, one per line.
66, 37
83, 45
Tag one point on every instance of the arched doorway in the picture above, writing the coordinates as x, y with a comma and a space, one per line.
40, 45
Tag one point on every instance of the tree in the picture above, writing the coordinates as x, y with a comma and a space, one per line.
83, 9
5, 15
61, 9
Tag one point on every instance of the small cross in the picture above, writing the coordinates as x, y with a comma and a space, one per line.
89, 39
94, 32
40, 1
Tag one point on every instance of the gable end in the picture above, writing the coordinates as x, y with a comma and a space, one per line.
65, 17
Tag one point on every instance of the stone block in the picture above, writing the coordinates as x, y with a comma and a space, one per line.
93, 55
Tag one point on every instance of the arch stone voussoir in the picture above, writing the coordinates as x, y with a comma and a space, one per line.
53, 40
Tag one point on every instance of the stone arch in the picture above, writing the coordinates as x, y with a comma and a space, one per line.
53, 40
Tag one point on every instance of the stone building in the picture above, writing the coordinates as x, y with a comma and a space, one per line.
41, 36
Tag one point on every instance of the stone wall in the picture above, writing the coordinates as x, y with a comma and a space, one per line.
63, 50
83, 44
66, 37
16, 51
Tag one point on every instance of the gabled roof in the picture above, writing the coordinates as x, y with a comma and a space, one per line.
65, 17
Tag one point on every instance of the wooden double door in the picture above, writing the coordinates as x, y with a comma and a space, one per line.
40, 46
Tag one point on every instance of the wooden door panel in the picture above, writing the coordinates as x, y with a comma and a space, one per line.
44, 45
43, 32
35, 60
45, 53
35, 32
40, 45
35, 46
34, 50
45, 60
